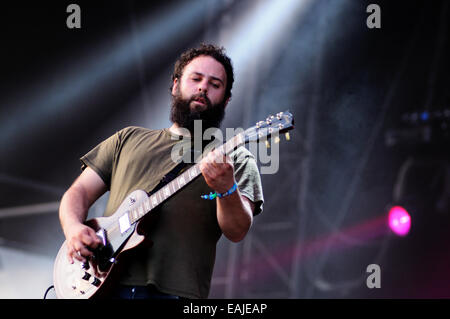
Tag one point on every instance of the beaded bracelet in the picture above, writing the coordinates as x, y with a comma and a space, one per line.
212, 195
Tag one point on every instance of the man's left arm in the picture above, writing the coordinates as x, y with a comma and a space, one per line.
235, 211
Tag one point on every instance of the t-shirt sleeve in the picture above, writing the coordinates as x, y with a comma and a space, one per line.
248, 178
102, 157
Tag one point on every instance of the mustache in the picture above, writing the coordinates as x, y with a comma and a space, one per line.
202, 96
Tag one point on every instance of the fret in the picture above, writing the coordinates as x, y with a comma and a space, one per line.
141, 210
181, 179
175, 186
166, 191
228, 146
154, 200
240, 139
192, 173
158, 197
196, 171
147, 205
235, 142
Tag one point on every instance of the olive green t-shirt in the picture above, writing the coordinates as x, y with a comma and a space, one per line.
186, 232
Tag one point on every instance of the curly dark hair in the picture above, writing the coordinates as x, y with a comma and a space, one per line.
211, 50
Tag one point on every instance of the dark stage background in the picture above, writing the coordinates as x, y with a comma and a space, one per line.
371, 108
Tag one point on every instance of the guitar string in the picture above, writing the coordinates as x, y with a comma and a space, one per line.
111, 231
116, 227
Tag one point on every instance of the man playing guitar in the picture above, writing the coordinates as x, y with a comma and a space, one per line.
180, 261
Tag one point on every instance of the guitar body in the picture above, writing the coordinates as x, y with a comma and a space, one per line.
79, 280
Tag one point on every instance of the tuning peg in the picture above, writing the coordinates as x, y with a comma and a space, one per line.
267, 144
288, 137
277, 139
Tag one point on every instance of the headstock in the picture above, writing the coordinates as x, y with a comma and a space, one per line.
282, 122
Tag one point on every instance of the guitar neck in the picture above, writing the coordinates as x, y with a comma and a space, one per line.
178, 183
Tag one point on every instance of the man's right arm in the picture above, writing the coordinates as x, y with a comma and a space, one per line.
73, 211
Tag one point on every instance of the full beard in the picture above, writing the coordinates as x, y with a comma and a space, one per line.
182, 114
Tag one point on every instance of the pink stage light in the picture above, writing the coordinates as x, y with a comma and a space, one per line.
399, 220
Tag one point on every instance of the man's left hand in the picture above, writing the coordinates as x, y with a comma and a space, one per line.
218, 171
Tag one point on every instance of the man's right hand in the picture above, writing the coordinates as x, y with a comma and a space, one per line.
81, 239
81, 242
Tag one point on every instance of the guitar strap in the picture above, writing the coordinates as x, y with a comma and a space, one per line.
173, 173
168, 177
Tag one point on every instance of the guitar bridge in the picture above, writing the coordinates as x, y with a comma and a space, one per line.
104, 253
102, 235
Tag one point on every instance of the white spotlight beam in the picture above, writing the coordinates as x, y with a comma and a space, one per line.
254, 39
27, 210
261, 29
51, 98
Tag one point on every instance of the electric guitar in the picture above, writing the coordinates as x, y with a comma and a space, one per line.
120, 232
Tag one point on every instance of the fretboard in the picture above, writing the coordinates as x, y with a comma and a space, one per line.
178, 183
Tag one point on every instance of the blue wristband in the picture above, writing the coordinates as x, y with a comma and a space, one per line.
228, 192
212, 195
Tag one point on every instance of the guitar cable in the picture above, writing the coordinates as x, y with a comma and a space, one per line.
48, 289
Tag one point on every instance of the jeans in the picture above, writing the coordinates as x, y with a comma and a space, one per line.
140, 292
